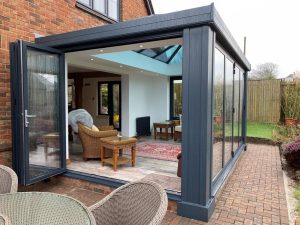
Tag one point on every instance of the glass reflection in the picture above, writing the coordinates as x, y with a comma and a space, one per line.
43, 112
236, 114
218, 115
228, 110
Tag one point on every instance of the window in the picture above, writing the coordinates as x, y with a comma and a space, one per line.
106, 9
103, 99
228, 88
218, 112
176, 97
110, 102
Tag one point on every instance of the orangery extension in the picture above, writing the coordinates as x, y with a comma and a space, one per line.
181, 73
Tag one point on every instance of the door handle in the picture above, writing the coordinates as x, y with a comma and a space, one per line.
28, 116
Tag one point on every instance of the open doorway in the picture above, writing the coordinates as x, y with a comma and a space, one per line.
120, 87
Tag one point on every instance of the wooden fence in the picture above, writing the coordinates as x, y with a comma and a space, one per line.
264, 100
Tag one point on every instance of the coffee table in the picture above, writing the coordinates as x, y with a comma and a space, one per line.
164, 125
117, 144
42, 208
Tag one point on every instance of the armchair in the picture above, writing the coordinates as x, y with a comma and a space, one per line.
91, 139
9, 180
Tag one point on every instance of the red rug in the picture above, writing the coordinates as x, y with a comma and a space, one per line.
162, 151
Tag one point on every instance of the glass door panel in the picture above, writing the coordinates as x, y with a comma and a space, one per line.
110, 102
241, 106
228, 110
218, 113
236, 114
43, 112
176, 97
116, 94
39, 112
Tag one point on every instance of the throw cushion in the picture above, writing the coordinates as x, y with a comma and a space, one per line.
94, 128
178, 128
80, 116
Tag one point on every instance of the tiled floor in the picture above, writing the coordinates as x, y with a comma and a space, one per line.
145, 168
254, 194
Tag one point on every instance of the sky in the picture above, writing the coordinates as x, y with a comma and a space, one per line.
272, 27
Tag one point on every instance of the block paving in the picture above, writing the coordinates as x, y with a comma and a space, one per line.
253, 194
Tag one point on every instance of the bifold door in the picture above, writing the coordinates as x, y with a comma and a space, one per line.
38, 111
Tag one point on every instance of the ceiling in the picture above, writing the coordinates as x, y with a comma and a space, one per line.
98, 60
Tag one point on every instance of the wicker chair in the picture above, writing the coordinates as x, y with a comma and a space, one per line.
137, 203
91, 140
4, 220
9, 180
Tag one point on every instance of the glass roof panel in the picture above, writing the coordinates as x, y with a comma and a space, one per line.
171, 54
177, 59
166, 54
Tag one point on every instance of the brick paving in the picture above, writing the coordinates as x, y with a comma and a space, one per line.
254, 193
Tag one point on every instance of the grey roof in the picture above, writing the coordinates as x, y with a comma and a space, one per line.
150, 25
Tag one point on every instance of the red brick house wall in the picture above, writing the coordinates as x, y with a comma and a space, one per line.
22, 19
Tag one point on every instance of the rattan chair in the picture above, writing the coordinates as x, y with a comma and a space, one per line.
137, 203
8, 180
91, 140
4, 220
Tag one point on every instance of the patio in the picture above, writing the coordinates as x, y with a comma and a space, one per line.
254, 193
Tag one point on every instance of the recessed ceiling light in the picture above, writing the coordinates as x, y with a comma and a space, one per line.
141, 46
142, 71
121, 66
92, 59
101, 50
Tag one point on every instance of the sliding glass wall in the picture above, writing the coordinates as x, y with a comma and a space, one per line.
228, 87
218, 112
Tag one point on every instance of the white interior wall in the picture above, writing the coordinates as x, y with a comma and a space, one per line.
142, 95
148, 96
90, 98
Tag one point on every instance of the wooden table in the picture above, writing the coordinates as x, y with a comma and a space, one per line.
42, 208
117, 144
51, 140
164, 125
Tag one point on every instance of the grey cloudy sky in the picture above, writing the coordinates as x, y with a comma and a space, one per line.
272, 27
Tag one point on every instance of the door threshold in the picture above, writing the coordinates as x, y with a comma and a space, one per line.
111, 182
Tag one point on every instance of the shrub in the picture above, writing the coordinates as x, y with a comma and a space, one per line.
283, 134
290, 97
291, 151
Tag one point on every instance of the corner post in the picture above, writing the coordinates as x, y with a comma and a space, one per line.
196, 199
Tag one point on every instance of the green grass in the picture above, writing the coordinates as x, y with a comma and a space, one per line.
297, 196
260, 130
254, 129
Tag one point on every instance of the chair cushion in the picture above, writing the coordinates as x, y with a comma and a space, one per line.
178, 128
94, 128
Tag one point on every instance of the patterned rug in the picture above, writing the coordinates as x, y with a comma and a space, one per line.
162, 151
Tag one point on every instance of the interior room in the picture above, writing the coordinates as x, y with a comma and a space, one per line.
135, 89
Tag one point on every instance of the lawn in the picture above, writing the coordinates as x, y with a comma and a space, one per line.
260, 130
254, 129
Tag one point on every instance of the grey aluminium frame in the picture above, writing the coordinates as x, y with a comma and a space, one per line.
200, 29
226, 168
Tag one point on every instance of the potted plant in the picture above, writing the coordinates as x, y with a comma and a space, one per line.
291, 103
218, 103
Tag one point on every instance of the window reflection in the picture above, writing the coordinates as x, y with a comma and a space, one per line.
218, 112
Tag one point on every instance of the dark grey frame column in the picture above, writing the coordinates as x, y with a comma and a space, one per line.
197, 201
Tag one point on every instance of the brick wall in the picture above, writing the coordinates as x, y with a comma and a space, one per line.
22, 19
